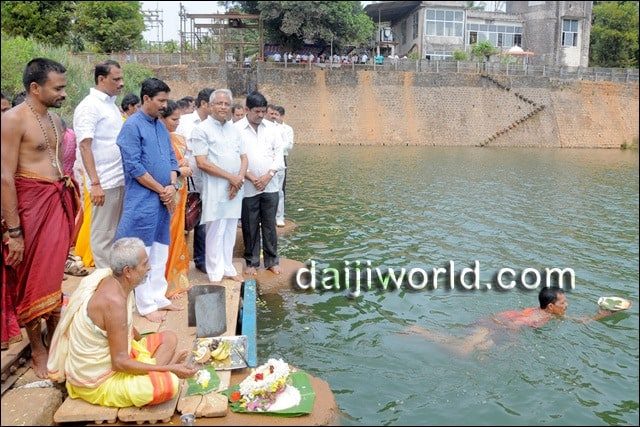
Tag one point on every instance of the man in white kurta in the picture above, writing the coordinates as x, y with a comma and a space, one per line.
220, 154
187, 123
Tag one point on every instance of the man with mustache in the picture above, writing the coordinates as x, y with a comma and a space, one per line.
97, 122
39, 208
150, 175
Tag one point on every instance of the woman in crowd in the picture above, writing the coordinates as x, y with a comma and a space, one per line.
178, 261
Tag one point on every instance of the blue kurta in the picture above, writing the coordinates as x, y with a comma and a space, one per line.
146, 147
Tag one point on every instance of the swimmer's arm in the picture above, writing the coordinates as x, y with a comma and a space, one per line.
599, 315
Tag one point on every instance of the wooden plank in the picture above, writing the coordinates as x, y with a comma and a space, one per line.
232, 302
213, 405
13, 377
77, 410
249, 321
151, 414
14, 352
188, 404
176, 321
232, 299
143, 325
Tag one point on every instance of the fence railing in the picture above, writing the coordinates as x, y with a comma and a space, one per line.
623, 75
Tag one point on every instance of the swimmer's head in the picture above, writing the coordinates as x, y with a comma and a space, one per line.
553, 300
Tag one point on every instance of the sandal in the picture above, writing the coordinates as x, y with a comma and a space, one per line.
74, 257
75, 268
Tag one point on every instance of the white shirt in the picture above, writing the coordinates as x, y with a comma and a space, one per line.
264, 152
286, 133
97, 117
287, 138
223, 146
188, 122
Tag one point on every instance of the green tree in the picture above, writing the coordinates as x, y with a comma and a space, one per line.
113, 26
483, 49
614, 34
47, 21
291, 23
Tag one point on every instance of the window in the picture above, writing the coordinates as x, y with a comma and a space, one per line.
535, 3
517, 40
443, 23
503, 36
439, 55
403, 32
415, 25
569, 32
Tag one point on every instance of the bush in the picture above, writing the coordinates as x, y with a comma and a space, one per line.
483, 50
17, 51
460, 55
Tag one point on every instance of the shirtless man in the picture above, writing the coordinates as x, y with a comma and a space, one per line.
5, 104
553, 304
39, 204
100, 353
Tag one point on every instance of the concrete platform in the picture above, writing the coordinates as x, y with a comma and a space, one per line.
44, 402
238, 249
30, 406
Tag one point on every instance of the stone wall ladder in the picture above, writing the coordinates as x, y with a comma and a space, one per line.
537, 109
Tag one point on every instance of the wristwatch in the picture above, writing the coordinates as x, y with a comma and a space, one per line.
176, 186
15, 232
272, 173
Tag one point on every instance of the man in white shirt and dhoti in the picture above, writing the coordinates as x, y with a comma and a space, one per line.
220, 155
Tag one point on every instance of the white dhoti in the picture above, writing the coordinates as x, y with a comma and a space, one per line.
150, 295
221, 237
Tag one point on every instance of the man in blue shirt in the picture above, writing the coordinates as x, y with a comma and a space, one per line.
151, 172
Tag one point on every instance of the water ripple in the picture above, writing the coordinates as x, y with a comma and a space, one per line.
417, 206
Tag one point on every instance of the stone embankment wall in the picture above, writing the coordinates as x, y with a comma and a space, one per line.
375, 107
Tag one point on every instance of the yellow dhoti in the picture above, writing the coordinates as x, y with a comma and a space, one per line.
122, 390
80, 354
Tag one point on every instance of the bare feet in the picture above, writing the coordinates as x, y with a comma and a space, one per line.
236, 278
178, 296
39, 363
250, 271
155, 316
275, 269
172, 307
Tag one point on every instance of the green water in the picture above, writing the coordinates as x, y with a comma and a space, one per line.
424, 206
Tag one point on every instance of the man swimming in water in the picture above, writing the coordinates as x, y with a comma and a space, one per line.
553, 304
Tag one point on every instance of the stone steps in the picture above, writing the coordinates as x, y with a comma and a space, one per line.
537, 109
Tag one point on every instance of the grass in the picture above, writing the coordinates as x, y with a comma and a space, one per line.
633, 145
18, 51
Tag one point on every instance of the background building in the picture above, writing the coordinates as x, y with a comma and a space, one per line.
558, 32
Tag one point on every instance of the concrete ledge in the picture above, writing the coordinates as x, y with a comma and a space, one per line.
325, 410
238, 249
30, 406
269, 283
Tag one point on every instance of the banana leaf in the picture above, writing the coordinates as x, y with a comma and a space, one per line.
195, 388
299, 380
